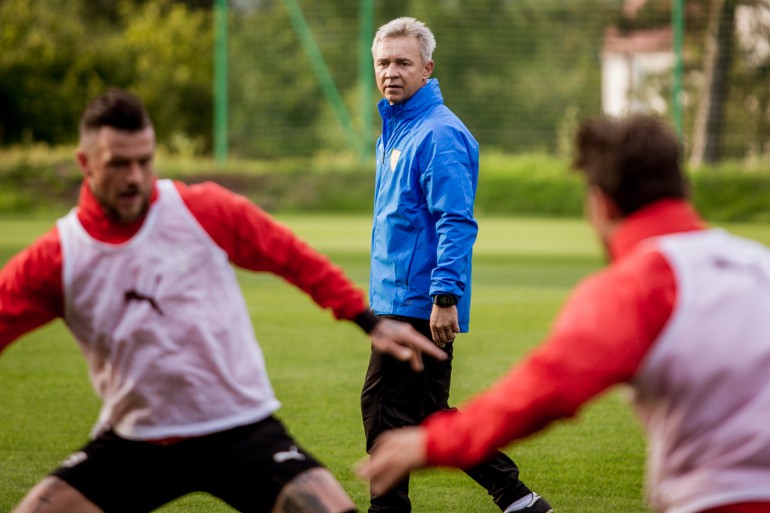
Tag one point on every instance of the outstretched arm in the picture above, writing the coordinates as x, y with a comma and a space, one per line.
600, 338
256, 241
30, 288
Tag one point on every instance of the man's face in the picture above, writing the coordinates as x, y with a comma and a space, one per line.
399, 68
118, 167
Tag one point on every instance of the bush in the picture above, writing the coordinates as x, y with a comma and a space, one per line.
42, 179
728, 193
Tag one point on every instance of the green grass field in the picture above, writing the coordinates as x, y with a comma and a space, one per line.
523, 270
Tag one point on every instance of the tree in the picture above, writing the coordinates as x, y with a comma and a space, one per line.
55, 56
168, 49
748, 111
710, 119
45, 66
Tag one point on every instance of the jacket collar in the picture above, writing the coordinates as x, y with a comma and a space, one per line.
660, 218
426, 97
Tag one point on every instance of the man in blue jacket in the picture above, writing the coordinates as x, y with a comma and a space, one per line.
422, 239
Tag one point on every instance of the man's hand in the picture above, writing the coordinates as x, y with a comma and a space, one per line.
395, 454
444, 325
403, 342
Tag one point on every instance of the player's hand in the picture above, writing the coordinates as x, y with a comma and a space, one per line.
395, 454
401, 341
444, 325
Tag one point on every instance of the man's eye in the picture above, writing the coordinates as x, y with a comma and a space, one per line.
117, 166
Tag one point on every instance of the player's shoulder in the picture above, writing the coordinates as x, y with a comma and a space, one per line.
42, 257
208, 195
443, 123
47, 243
200, 190
212, 203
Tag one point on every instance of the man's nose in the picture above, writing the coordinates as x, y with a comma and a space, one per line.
391, 71
134, 172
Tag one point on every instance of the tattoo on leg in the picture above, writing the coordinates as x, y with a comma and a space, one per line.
300, 496
42, 501
310, 493
303, 502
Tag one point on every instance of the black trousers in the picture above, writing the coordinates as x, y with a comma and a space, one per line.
394, 396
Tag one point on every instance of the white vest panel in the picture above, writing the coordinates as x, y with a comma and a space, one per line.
164, 327
703, 392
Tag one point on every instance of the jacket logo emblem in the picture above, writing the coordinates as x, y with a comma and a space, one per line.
394, 159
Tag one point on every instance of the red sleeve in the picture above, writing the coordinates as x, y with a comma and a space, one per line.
600, 338
31, 288
256, 241
743, 507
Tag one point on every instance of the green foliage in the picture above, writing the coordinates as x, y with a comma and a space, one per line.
518, 73
42, 179
529, 184
36, 179
169, 48
54, 56
43, 70
276, 101
505, 76
727, 195
509, 77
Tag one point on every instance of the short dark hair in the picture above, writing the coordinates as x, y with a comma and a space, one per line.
116, 108
634, 160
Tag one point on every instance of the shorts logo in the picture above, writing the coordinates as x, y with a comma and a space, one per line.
292, 454
74, 459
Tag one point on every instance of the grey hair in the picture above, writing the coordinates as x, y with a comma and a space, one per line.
408, 27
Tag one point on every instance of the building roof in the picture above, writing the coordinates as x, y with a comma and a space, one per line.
638, 41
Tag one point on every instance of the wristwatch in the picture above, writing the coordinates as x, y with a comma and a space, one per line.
444, 300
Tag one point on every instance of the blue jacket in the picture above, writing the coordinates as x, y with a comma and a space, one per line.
423, 230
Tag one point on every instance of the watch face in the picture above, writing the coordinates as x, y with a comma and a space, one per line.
445, 300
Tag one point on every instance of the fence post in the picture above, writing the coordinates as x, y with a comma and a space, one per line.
220, 81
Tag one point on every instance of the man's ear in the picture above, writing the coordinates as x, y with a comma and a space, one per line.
428, 70
82, 159
603, 205
603, 215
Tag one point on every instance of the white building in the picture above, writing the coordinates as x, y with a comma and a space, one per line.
636, 68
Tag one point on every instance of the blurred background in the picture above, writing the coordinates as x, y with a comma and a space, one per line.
278, 87
520, 73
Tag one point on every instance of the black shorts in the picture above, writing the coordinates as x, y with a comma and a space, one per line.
246, 467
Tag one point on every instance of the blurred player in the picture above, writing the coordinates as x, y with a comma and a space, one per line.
141, 274
680, 314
